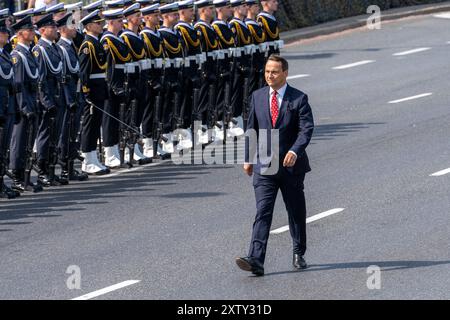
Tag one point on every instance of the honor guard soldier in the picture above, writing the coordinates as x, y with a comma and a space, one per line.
51, 102
118, 66
69, 148
75, 10
153, 44
206, 110
38, 13
173, 93
226, 66
19, 15
139, 79
191, 77
93, 85
243, 56
270, 26
259, 39
7, 104
26, 77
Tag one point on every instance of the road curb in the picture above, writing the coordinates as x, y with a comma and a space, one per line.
360, 21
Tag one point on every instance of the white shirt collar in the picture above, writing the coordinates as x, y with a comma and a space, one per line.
280, 91
23, 45
46, 40
66, 40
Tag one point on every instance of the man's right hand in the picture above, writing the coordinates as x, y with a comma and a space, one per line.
248, 168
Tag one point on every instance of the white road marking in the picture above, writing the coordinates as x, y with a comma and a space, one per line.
310, 219
298, 76
440, 173
404, 53
444, 15
411, 98
351, 65
107, 290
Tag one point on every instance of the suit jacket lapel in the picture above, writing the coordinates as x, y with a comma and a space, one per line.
283, 107
266, 106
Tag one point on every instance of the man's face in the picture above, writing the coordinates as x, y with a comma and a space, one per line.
188, 14
152, 18
135, 18
242, 10
254, 9
272, 5
275, 76
209, 13
96, 27
116, 24
27, 34
4, 36
68, 31
172, 18
49, 32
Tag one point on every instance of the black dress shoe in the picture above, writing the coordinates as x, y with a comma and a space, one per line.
4, 194
144, 161
43, 180
78, 176
10, 191
20, 187
62, 180
299, 262
250, 264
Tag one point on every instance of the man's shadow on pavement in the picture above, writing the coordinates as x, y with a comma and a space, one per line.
384, 266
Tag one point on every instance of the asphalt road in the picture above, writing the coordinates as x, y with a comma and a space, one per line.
177, 229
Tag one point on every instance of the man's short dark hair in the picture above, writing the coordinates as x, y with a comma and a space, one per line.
280, 59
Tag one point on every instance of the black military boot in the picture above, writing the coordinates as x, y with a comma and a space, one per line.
18, 184
4, 192
71, 174
18, 177
43, 178
10, 191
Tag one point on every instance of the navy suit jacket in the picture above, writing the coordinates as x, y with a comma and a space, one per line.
295, 126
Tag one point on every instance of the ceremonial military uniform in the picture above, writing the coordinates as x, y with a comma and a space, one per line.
26, 77
191, 78
243, 56
52, 105
258, 59
93, 83
270, 27
7, 109
151, 121
68, 142
173, 93
225, 71
139, 79
118, 75
210, 46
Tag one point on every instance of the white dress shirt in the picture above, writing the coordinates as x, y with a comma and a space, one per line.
280, 96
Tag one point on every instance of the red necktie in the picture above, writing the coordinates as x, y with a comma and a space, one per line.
274, 108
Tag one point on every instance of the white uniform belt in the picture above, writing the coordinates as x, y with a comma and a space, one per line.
157, 63
97, 76
145, 64
175, 63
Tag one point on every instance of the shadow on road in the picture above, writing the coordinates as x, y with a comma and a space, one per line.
384, 266
79, 196
332, 130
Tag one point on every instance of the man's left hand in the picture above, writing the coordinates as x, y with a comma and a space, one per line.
289, 159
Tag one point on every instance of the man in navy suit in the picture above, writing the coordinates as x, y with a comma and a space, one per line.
285, 109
